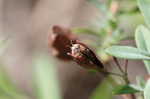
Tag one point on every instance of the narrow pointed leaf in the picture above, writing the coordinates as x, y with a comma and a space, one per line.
124, 89
127, 52
142, 41
104, 90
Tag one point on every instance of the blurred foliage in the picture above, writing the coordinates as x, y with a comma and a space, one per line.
104, 90
142, 41
145, 9
46, 79
142, 35
8, 89
116, 22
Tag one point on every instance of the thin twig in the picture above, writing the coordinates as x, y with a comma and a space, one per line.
110, 73
125, 77
115, 74
126, 66
117, 64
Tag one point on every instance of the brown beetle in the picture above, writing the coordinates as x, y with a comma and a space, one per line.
58, 41
84, 56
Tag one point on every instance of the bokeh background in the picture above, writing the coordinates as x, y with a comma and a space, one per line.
27, 23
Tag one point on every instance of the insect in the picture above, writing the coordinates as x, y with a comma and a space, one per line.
58, 39
84, 56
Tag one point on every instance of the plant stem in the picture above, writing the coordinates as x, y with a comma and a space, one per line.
125, 77
127, 81
126, 66
115, 74
117, 64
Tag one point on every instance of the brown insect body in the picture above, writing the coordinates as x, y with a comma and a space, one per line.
58, 41
84, 56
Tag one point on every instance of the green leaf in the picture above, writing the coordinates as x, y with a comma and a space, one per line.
144, 6
136, 87
142, 41
104, 90
124, 89
139, 38
46, 79
141, 82
127, 52
147, 90
146, 34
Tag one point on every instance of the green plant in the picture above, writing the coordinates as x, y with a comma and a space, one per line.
46, 78
107, 29
108, 32
142, 35
45, 82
